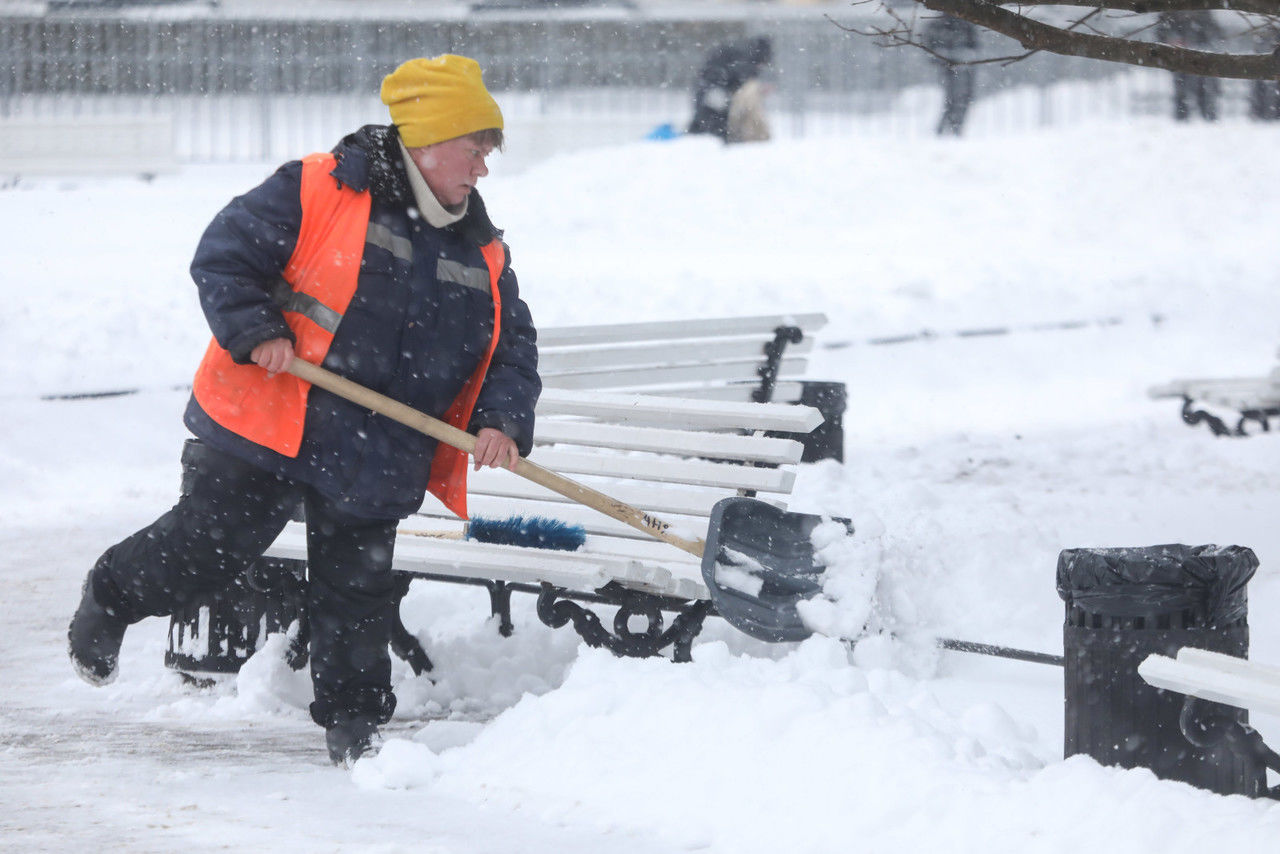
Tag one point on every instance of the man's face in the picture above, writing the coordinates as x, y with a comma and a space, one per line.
452, 168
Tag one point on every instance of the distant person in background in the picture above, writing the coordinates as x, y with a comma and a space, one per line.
1196, 31
1264, 95
727, 70
953, 42
747, 119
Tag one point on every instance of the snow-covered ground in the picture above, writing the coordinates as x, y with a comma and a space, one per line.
970, 463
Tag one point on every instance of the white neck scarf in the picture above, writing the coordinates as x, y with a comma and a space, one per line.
428, 205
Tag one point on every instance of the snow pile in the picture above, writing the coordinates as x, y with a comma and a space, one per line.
808, 718
478, 672
806, 753
853, 563
267, 684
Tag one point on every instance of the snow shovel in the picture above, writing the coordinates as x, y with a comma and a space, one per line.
758, 561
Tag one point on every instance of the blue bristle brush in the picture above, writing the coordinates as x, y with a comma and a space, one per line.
537, 532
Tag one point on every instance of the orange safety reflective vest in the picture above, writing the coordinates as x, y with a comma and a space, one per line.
321, 276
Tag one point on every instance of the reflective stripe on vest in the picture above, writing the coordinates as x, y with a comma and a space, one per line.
316, 287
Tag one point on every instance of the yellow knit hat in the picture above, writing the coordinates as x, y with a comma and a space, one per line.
433, 100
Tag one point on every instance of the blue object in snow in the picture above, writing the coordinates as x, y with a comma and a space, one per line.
663, 132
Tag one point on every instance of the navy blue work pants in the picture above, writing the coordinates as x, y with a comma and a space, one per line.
230, 513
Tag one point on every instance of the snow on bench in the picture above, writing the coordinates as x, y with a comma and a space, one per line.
1210, 677
1215, 401
760, 358
1216, 677
673, 457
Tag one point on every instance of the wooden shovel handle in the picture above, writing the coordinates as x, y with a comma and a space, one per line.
464, 441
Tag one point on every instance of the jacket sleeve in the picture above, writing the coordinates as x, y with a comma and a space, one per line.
242, 255
512, 385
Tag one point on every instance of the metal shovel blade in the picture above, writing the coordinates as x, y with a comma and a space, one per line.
759, 564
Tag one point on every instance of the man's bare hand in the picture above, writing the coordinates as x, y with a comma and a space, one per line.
274, 355
495, 448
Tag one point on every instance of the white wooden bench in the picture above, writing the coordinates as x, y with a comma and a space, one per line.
1216, 677
673, 457
726, 355
704, 428
1226, 405
761, 358
1206, 678
93, 145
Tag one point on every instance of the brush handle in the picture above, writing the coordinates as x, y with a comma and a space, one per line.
435, 535
464, 441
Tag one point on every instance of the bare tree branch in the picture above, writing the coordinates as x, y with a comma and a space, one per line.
1036, 35
1257, 7
902, 34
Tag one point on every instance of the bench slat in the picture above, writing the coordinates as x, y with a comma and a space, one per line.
1229, 664
638, 547
679, 412
676, 329
578, 570
1239, 392
654, 498
740, 392
1242, 401
499, 507
667, 470
1233, 685
720, 446
1238, 399
669, 375
557, 361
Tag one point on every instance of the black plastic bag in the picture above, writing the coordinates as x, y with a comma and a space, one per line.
1208, 580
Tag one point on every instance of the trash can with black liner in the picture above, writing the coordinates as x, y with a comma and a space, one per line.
1123, 604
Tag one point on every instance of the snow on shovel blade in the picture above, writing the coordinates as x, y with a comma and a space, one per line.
759, 564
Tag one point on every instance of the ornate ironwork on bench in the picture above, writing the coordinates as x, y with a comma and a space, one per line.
1193, 414
217, 634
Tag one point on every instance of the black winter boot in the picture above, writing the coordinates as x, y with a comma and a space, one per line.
351, 738
94, 638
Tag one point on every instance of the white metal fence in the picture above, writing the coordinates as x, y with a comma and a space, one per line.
270, 89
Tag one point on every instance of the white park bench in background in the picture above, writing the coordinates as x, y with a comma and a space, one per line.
1226, 405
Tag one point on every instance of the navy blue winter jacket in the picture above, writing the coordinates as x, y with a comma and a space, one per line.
414, 331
